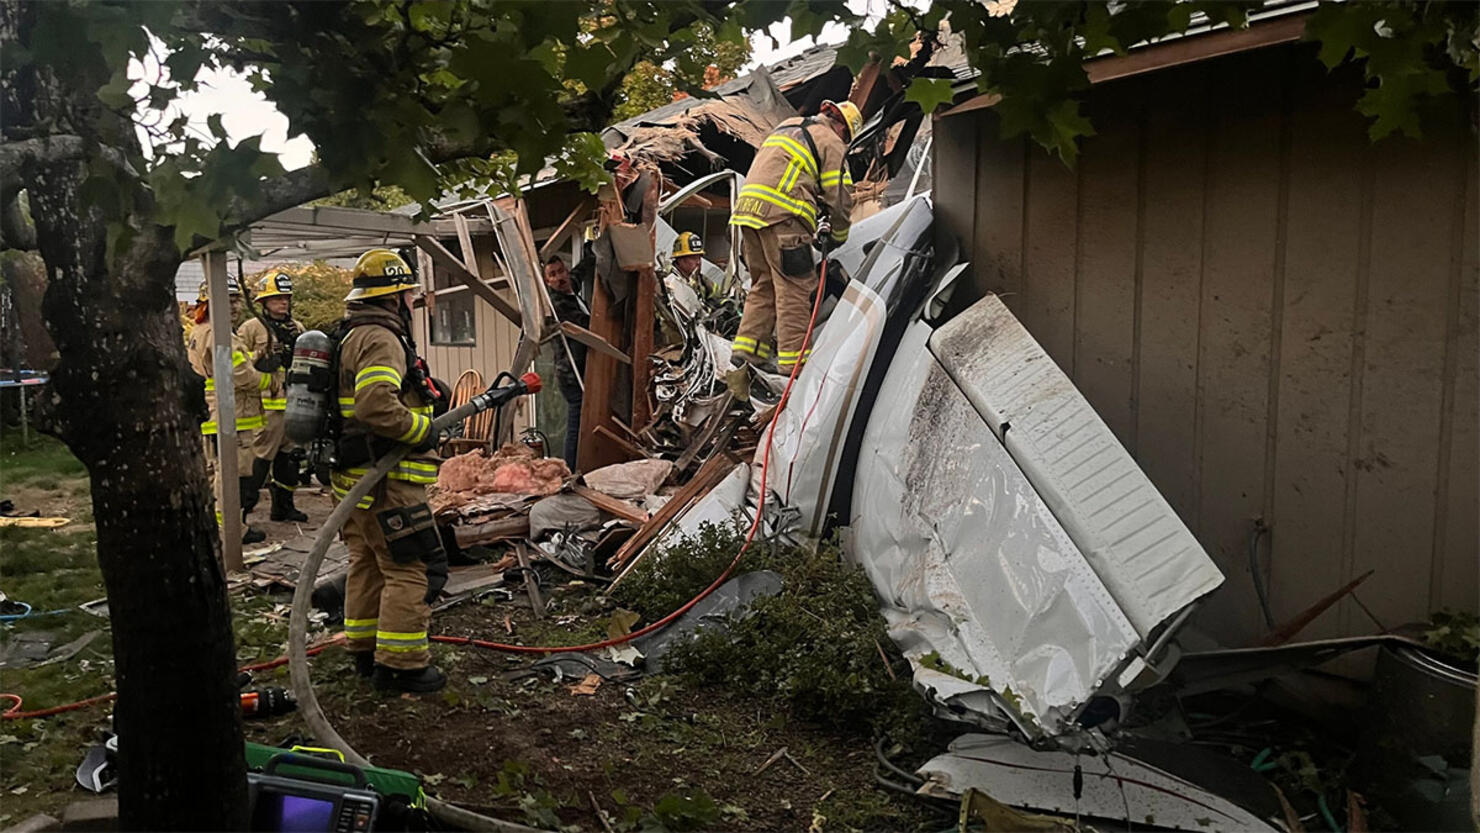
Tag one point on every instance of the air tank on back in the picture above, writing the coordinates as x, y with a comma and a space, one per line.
309, 387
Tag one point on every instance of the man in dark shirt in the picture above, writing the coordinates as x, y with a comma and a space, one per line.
570, 355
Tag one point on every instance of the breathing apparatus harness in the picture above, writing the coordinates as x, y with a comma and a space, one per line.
358, 449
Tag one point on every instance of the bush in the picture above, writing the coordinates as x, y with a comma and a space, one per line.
818, 648
664, 581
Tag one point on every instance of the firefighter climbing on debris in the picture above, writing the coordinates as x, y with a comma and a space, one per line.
269, 338
385, 397
799, 175
247, 383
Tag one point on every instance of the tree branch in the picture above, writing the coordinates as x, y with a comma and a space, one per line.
16, 157
279, 193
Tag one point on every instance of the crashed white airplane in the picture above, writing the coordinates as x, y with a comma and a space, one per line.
1025, 563
1027, 567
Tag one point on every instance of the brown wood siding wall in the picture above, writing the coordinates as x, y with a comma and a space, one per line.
496, 336
1276, 316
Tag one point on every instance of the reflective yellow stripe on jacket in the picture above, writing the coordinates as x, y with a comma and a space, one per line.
374, 374
799, 153
409, 471
210, 427
767, 194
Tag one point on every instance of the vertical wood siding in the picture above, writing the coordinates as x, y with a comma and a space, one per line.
1276, 316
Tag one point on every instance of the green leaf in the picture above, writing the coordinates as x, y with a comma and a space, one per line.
115, 93
589, 65
930, 93
213, 123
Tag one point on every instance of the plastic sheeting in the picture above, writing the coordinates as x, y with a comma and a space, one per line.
1129, 534
974, 572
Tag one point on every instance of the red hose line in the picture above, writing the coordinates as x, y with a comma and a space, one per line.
749, 536
14, 712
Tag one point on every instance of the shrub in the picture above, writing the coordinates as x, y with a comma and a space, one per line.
819, 648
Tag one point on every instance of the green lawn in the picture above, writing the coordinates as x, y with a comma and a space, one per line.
54, 571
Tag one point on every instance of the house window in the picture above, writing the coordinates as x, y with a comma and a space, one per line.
453, 318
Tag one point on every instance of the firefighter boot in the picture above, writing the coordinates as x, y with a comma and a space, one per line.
251, 485
364, 663
416, 680
253, 535
280, 488
282, 505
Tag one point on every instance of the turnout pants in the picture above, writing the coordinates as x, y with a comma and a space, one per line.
776, 301
244, 457
272, 444
271, 439
385, 607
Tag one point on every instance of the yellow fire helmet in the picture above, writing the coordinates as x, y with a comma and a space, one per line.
687, 243
848, 112
274, 284
203, 294
380, 272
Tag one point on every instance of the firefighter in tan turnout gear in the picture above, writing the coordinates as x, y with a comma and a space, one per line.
798, 167
386, 398
269, 338
247, 383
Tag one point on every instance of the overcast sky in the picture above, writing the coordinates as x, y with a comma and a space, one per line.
245, 114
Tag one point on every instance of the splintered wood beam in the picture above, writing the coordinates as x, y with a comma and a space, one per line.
633, 451
565, 228
863, 85
465, 245
447, 260
593, 341
607, 322
644, 313
709, 476
611, 505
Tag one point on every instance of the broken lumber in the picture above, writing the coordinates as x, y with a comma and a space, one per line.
1285, 632
614, 506
708, 476
502, 529
633, 451
593, 341
531, 581
447, 260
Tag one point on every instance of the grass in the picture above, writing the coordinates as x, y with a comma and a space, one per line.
51, 570
43, 463
669, 754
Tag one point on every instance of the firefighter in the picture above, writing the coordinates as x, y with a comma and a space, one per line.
247, 383
799, 171
688, 257
269, 338
396, 564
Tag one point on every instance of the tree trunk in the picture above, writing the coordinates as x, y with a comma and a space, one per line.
24, 274
122, 399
